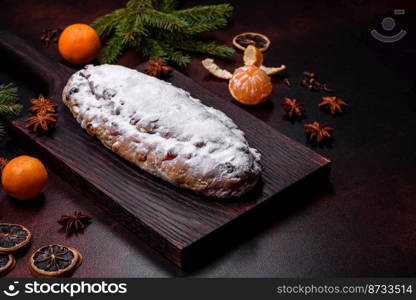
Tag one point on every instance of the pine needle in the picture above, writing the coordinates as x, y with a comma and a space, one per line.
106, 24
205, 12
112, 50
202, 47
9, 106
164, 21
168, 5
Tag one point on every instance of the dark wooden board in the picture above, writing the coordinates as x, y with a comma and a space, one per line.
171, 220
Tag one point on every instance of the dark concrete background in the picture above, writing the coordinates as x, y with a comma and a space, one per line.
365, 225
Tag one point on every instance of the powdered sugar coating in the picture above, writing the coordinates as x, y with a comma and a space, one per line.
163, 122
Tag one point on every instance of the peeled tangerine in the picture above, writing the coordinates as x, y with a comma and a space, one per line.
250, 84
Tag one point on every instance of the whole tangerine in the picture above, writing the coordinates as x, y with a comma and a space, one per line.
79, 44
24, 177
250, 85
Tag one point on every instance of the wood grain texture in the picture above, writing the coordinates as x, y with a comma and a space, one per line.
171, 220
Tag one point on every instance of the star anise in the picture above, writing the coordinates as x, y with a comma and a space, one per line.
292, 108
42, 104
334, 104
49, 35
74, 222
157, 69
3, 163
42, 121
317, 132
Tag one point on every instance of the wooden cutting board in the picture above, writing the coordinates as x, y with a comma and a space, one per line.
177, 223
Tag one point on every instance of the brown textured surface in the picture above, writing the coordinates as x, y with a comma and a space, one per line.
362, 226
174, 221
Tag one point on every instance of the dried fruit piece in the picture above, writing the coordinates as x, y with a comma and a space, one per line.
55, 261
334, 104
7, 262
74, 222
13, 237
215, 70
292, 108
318, 133
243, 40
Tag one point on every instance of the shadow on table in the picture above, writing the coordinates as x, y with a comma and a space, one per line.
254, 222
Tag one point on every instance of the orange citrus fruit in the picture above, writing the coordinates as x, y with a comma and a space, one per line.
250, 85
79, 44
24, 177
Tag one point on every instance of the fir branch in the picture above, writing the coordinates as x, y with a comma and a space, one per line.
9, 106
135, 5
161, 20
206, 12
106, 24
152, 49
113, 49
130, 28
206, 25
168, 5
178, 58
8, 93
154, 26
203, 47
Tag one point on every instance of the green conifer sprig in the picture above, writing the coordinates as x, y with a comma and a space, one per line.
9, 106
158, 29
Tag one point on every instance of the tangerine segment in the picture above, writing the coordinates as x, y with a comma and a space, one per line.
253, 56
79, 44
250, 85
24, 177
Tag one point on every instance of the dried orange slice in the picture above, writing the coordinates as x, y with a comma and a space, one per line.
13, 237
215, 70
250, 85
252, 56
54, 261
245, 39
7, 262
